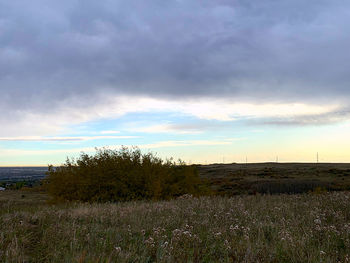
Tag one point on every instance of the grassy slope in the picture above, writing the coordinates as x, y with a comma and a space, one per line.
233, 179
279, 228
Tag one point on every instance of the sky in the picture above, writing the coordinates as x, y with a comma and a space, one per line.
204, 81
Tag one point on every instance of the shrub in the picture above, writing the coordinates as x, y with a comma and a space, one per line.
121, 175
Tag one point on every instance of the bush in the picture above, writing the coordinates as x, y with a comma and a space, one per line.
121, 175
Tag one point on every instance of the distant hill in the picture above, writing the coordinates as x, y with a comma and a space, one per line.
232, 179
15, 174
238, 178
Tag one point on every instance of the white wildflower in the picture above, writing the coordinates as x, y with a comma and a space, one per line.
317, 221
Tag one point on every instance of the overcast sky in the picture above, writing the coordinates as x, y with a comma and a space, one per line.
181, 77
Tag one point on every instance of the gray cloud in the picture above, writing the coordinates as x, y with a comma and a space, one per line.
306, 120
194, 127
62, 139
241, 50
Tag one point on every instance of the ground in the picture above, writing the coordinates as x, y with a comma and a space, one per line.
247, 228
232, 179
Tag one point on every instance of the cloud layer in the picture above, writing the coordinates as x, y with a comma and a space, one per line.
62, 139
63, 60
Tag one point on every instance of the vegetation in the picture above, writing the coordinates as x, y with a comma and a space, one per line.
122, 175
233, 179
182, 225
276, 178
17, 185
247, 228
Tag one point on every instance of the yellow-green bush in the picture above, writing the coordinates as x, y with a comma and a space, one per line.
121, 175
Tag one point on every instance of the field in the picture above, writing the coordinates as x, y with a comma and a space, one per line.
233, 179
246, 228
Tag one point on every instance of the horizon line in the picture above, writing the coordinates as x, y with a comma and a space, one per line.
228, 163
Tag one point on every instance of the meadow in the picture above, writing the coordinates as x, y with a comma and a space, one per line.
244, 228
276, 178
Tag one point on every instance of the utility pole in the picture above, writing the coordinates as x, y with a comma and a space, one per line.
317, 166
276, 159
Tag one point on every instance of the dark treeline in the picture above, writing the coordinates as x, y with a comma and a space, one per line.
122, 175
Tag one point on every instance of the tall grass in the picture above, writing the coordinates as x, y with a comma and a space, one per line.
280, 228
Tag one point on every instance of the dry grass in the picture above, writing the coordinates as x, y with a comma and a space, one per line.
295, 178
280, 228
